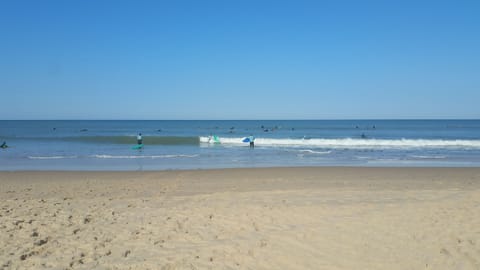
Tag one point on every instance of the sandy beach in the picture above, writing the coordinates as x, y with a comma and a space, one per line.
272, 218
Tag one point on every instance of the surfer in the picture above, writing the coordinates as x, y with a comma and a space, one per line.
4, 145
213, 139
252, 141
139, 138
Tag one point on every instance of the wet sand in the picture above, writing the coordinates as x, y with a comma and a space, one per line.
273, 218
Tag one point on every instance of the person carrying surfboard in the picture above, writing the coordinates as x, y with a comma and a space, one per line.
139, 138
251, 140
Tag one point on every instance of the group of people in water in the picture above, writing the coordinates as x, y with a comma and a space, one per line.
251, 139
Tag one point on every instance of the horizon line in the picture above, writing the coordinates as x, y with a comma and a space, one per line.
271, 119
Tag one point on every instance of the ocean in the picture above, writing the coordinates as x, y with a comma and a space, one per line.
172, 145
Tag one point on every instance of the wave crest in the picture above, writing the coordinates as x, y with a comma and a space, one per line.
349, 143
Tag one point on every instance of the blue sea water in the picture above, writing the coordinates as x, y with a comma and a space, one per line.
107, 145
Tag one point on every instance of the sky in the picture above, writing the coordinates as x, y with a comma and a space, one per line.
239, 59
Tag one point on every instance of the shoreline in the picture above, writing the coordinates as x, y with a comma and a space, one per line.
256, 218
348, 166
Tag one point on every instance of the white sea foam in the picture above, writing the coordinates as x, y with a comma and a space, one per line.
315, 152
428, 157
51, 157
143, 157
349, 143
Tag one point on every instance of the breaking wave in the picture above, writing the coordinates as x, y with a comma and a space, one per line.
349, 143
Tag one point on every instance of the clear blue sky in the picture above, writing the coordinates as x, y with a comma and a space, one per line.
239, 59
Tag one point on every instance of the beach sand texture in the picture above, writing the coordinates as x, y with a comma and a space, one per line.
273, 218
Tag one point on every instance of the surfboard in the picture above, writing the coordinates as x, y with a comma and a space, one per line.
138, 146
246, 140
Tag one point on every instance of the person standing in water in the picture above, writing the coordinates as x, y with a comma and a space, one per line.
139, 138
252, 141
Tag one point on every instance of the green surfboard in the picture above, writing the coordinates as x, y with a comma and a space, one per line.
138, 146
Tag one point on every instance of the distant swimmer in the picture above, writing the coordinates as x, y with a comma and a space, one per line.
4, 145
364, 136
139, 138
